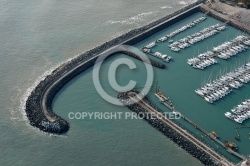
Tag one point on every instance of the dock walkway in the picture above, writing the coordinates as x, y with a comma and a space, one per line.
166, 103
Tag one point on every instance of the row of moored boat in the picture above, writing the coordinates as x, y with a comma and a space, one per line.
194, 38
164, 57
147, 48
183, 28
221, 87
240, 113
202, 61
233, 47
224, 51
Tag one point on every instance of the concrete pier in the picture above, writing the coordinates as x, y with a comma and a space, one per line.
217, 159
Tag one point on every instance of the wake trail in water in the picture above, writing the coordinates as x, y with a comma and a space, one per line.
166, 7
132, 20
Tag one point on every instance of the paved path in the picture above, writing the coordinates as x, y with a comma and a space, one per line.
230, 10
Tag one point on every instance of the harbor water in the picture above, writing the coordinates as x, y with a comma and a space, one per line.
180, 81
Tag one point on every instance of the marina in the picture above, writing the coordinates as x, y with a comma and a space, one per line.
215, 110
178, 81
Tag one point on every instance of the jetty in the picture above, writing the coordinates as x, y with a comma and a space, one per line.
140, 104
38, 105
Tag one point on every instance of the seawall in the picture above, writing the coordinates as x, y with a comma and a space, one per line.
38, 104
